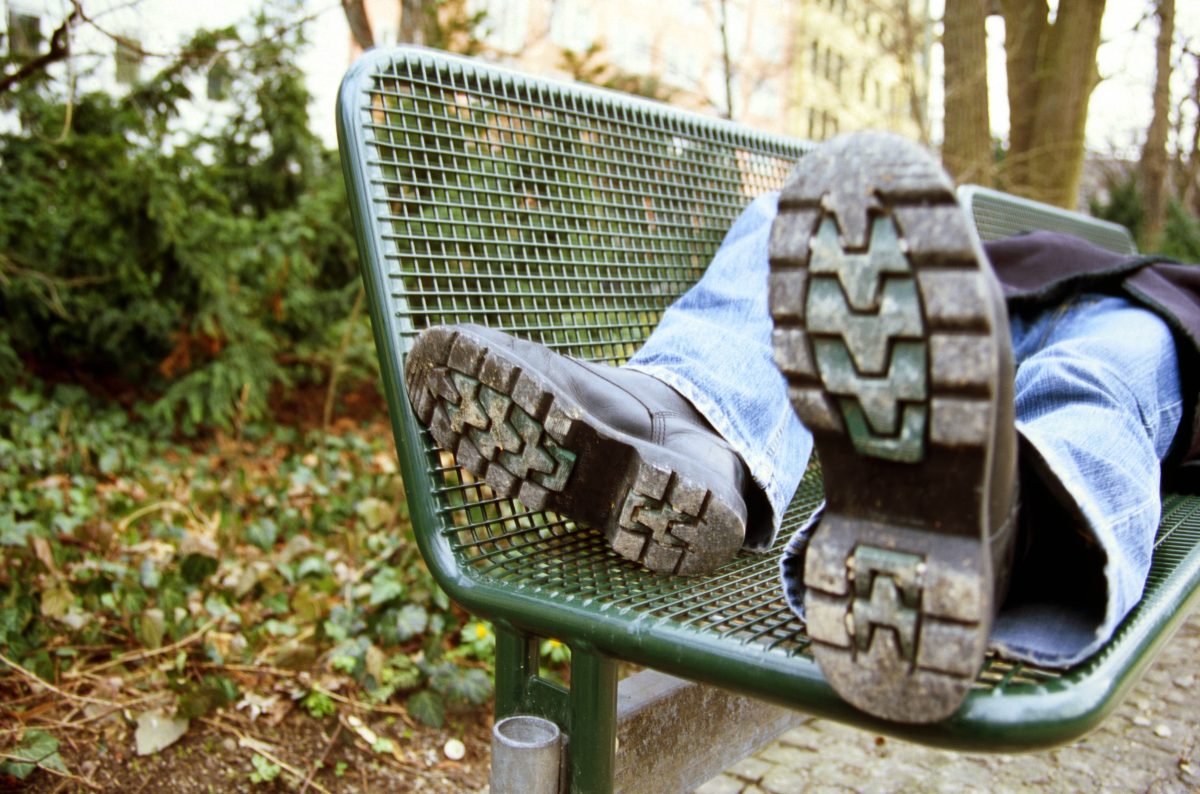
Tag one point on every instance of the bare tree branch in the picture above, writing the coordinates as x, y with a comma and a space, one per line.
725, 59
60, 48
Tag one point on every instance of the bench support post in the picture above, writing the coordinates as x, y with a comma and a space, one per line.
586, 713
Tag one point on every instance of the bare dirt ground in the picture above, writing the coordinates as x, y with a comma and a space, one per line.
1151, 743
328, 755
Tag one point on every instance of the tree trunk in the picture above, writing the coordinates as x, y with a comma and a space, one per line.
1051, 74
414, 20
1025, 23
1188, 188
360, 25
967, 149
1153, 166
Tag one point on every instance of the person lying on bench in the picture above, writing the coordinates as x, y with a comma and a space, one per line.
990, 423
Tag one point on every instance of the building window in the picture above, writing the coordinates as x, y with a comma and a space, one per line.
129, 59
24, 31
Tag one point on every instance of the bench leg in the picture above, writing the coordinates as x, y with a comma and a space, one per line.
593, 743
586, 714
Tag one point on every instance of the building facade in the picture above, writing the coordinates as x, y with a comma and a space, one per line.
807, 68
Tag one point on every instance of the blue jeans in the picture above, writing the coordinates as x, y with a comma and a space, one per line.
1097, 403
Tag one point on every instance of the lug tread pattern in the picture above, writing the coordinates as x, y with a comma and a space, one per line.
506, 426
665, 524
890, 345
883, 329
493, 436
867, 332
883, 634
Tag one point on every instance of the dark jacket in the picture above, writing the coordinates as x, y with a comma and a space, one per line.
1046, 267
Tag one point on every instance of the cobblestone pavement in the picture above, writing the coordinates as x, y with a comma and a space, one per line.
1149, 743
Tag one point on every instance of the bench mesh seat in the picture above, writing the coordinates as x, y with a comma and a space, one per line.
573, 217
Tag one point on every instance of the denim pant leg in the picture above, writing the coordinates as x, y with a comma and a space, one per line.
1098, 400
713, 346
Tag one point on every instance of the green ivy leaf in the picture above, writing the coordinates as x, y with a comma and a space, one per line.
110, 460
151, 627
313, 565
264, 771
468, 685
27, 402
57, 598
198, 698
197, 567
411, 621
385, 587
37, 749
427, 708
318, 704
262, 533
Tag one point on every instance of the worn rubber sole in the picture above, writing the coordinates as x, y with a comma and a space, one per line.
886, 331
529, 440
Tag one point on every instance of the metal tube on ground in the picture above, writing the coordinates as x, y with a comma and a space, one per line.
526, 753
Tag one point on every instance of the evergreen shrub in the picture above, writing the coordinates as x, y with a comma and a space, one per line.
201, 264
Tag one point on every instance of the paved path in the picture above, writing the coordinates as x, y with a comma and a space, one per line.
1151, 743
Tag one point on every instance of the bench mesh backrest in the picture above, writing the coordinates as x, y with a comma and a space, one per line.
999, 215
562, 216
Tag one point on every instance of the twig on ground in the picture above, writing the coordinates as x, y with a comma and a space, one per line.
60, 692
252, 668
147, 653
321, 761
395, 710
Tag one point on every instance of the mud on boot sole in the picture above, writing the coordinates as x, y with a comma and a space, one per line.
518, 432
885, 329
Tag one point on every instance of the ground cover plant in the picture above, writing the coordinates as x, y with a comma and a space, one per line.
206, 565
148, 584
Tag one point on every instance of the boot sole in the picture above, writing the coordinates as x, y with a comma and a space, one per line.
519, 432
886, 333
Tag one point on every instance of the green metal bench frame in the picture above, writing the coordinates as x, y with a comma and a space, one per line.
574, 216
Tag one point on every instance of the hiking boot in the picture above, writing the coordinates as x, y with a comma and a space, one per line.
613, 448
891, 330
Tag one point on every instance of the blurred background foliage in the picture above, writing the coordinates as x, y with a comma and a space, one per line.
193, 271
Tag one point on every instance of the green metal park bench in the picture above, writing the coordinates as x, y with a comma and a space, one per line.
574, 216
